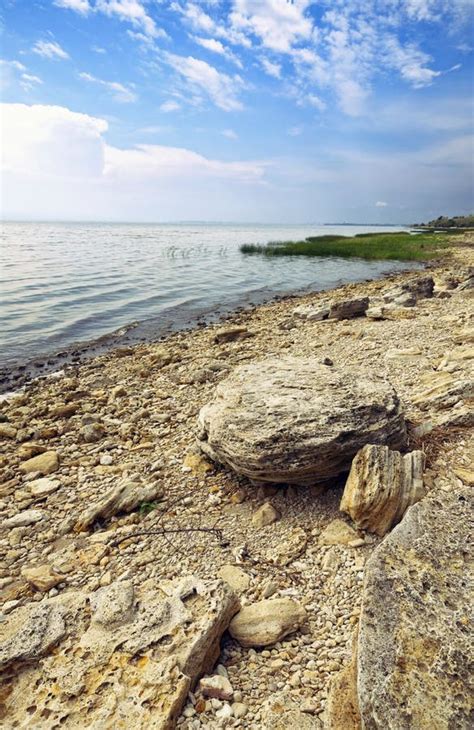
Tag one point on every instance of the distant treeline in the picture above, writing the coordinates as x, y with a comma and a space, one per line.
457, 221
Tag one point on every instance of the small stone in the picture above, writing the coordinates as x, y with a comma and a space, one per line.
235, 577
265, 515
22, 519
216, 687
197, 464
42, 577
266, 622
92, 432
7, 431
230, 334
119, 391
338, 532
43, 463
42, 487
239, 709
106, 460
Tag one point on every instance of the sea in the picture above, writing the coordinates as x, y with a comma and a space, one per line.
68, 283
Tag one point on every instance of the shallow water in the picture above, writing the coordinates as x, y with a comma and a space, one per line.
62, 283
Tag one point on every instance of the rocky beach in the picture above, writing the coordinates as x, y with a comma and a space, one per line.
262, 523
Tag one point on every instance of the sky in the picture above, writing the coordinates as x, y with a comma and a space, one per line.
279, 111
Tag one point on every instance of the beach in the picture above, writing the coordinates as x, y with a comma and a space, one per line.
131, 414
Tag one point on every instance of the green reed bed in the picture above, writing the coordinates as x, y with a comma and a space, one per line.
401, 246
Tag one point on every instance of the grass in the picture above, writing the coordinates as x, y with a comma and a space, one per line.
400, 246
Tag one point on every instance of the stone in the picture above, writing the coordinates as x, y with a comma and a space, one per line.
123, 656
265, 515
92, 432
30, 633
464, 336
266, 622
197, 464
282, 712
414, 652
420, 287
348, 308
44, 463
382, 484
25, 518
42, 577
230, 334
125, 497
338, 532
216, 686
7, 431
316, 313
465, 475
409, 353
443, 393
239, 709
295, 421
343, 706
42, 487
235, 577
289, 549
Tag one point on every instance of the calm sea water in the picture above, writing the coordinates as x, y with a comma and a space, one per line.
63, 282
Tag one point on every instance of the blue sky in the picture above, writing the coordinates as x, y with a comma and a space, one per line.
242, 110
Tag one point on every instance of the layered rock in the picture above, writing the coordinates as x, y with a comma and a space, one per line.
125, 497
128, 660
381, 485
296, 421
413, 649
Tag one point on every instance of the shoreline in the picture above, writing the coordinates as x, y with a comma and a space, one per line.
130, 417
22, 371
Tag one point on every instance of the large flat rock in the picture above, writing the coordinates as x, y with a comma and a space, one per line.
414, 653
296, 421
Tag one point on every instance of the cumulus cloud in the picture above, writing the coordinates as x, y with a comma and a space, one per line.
13, 72
128, 11
205, 80
271, 68
56, 162
80, 6
170, 106
215, 46
119, 92
49, 49
278, 25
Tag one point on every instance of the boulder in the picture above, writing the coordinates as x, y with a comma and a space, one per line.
123, 657
414, 654
266, 622
43, 463
296, 421
382, 484
125, 497
420, 287
348, 308
342, 705
313, 313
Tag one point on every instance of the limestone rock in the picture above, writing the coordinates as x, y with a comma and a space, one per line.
125, 497
343, 705
42, 487
413, 649
293, 420
31, 632
229, 334
43, 463
265, 515
348, 308
123, 657
420, 287
7, 431
92, 432
197, 464
235, 577
443, 393
25, 518
216, 686
290, 548
266, 622
282, 712
42, 577
315, 313
338, 532
382, 484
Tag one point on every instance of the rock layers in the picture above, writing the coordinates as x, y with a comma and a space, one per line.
296, 421
381, 485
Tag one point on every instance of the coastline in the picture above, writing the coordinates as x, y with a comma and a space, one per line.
131, 413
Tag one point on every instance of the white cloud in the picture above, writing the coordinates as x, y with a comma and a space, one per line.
410, 62
215, 46
169, 106
295, 131
119, 92
80, 6
49, 49
130, 11
14, 72
205, 80
278, 25
271, 68
381, 204
57, 163
230, 134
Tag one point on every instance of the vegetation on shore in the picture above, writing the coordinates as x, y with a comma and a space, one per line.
446, 223
399, 246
